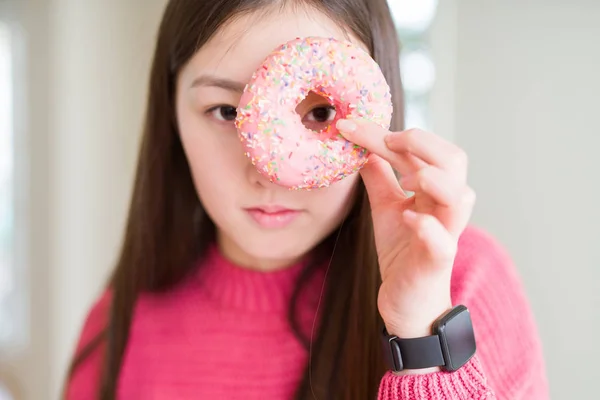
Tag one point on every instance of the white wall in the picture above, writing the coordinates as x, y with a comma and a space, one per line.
443, 45
85, 85
527, 92
99, 66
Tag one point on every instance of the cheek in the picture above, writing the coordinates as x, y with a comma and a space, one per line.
334, 202
214, 155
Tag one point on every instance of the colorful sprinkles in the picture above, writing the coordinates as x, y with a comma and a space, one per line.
277, 142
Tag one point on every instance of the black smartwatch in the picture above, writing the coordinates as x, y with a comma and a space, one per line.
450, 346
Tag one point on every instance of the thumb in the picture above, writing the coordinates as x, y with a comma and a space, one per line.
381, 182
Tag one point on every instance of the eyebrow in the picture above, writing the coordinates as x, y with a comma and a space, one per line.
211, 80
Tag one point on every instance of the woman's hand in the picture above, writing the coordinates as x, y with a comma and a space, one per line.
416, 236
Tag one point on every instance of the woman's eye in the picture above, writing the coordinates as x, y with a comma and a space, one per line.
223, 113
321, 114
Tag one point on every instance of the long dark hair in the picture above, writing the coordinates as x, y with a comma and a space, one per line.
167, 228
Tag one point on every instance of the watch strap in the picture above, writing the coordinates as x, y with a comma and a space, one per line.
414, 353
451, 345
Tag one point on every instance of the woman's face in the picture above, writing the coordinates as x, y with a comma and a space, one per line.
259, 224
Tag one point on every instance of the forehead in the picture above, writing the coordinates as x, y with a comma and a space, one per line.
241, 46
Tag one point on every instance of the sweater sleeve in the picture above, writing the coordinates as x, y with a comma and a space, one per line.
508, 364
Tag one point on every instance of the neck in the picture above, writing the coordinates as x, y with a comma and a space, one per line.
231, 286
238, 256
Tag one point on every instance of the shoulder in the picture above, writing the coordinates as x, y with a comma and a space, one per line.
97, 318
476, 244
480, 261
486, 280
84, 378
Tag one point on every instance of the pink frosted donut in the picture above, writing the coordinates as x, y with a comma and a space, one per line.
275, 139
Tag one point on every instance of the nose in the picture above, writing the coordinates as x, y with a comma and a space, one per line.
255, 177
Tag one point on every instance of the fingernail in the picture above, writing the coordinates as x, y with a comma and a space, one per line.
345, 125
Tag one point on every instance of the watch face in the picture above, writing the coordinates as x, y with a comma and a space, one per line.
458, 339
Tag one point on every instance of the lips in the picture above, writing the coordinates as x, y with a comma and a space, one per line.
272, 216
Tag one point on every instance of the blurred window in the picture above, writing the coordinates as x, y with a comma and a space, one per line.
12, 298
413, 19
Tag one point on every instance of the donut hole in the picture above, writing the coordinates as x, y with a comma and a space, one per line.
318, 114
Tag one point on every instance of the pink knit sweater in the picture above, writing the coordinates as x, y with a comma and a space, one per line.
223, 334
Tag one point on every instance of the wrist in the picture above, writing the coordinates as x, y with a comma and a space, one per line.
419, 325
422, 371
410, 330
412, 311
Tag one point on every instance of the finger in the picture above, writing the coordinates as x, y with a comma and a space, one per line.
444, 188
431, 148
439, 245
415, 162
457, 199
467, 200
372, 137
381, 182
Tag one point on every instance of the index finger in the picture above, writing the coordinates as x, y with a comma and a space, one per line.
372, 137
